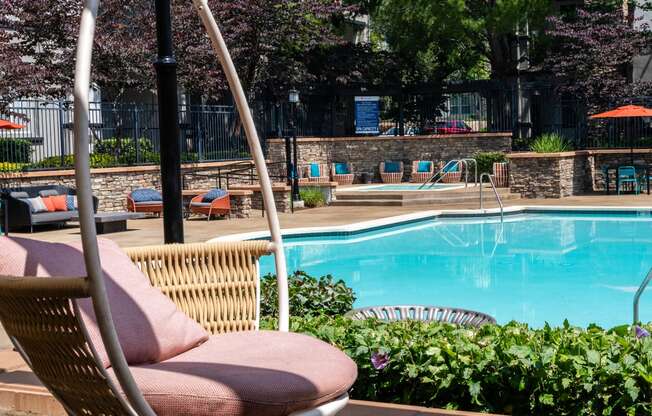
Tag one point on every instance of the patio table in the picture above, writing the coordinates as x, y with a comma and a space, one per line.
639, 168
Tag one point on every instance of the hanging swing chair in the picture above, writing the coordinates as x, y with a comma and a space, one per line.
164, 330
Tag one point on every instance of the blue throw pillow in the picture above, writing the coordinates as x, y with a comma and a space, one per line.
213, 195
71, 202
146, 195
424, 166
453, 167
341, 169
392, 167
314, 170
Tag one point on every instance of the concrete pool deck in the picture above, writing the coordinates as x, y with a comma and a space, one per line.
150, 231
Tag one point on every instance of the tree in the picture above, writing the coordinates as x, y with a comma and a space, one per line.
496, 23
592, 53
268, 40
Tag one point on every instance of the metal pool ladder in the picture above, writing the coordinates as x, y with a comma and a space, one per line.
639, 292
493, 186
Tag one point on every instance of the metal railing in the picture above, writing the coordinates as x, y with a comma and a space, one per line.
498, 199
448, 168
639, 292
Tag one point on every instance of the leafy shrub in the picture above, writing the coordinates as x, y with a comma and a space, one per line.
15, 150
507, 369
308, 295
124, 149
486, 161
550, 143
97, 161
312, 197
11, 167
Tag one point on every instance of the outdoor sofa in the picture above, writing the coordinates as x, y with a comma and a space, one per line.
20, 210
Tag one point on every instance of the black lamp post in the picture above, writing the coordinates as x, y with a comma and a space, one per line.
168, 113
293, 98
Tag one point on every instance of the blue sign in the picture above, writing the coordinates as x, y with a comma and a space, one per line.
367, 115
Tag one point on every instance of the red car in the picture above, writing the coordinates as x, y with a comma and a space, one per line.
452, 127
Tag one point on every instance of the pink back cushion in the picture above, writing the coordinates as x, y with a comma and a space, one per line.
149, 325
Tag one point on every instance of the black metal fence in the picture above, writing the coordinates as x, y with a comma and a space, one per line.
472, 107
122, 134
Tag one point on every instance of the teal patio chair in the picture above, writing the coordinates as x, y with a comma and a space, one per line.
627, 174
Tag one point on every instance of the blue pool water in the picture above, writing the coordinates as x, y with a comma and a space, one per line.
534, 268
410, 187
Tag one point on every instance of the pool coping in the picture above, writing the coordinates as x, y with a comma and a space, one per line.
405, 219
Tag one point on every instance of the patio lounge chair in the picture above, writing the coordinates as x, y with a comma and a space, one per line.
455, 316
422, 170
342, 173
391, 172
627, 174
214, 202
451, 173
314, 172
145, 200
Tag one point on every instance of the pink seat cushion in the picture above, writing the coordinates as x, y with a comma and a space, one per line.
149, 325
262, 373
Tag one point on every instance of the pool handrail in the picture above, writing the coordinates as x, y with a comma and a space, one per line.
475, 168
639, 292
442, 172
498, 199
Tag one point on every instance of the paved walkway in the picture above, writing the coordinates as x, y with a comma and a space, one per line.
150, 231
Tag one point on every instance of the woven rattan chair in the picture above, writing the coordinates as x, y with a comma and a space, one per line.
306, 174
453, 316
391, 177
421, 177
215, 284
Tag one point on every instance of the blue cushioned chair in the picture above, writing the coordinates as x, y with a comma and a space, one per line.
627, 174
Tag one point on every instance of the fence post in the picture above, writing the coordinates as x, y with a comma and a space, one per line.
401, 116
137, 132
62, 139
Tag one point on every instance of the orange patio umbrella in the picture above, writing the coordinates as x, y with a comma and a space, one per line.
625, 111
8, 125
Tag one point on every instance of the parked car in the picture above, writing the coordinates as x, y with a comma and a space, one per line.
409, 131
452, 127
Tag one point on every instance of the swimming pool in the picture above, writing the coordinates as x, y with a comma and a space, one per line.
534, 267
407, 187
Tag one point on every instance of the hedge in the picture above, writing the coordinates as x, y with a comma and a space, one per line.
486, 161
15, 150
308, 295
510, 369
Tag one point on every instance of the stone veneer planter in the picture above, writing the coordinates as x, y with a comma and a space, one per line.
558, 175
365, 153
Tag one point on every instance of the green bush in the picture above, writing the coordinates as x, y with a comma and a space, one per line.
509, 369
124, 149
312, 197
308, 295
486, 161
550, 143
15, 150
97, 161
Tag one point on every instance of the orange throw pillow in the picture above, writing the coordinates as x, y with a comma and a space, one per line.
48, 203
59, 202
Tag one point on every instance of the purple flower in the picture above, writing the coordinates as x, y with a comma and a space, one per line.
641, 332
379, 360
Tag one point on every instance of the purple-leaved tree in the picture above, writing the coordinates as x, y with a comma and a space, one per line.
591, 55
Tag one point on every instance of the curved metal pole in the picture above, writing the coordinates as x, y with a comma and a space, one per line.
639, 292
86, 212
257, 152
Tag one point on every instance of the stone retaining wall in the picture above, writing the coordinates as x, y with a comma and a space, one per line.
365, 153
557, 175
